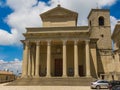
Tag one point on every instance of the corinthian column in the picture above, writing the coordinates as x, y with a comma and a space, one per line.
87, 59
25, 60
37, 60
29, 63
33, 60
48, 59
64, 60
75, 59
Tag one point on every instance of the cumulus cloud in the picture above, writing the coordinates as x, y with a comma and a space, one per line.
9, 38
113, 23
26, 14
106, 2
14, 65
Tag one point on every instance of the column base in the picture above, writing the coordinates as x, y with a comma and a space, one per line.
48, 76
36, 76
76, 76
24, 76
64, 76
88, 76
29, 76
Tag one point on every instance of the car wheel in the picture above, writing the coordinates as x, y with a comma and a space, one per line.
98, 87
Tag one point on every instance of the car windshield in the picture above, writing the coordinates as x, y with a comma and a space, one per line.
102, 81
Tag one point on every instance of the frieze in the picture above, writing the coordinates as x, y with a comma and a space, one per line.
56, 35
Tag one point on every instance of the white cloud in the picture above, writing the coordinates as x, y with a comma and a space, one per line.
9, 38
21, 4
26, 14
106, 2
113, 23
14, 65
2, 61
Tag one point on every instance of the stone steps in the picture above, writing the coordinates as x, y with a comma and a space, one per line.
52, 82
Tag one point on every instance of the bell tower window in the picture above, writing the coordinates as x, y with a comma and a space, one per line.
101, 21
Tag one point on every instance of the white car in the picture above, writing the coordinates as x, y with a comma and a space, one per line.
100, 84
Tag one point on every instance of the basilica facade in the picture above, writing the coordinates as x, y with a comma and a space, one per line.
60, 48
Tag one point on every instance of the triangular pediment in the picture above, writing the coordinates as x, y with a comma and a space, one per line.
59, 12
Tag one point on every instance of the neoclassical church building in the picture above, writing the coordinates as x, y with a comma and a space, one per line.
62, 49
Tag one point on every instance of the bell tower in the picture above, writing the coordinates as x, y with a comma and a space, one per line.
99, 23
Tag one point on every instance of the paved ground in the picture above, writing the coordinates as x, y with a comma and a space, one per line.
2, 87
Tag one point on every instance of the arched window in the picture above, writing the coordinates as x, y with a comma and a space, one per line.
101, 21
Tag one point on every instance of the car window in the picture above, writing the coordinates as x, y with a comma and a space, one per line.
102, 81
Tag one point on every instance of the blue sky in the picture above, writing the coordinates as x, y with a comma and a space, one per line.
16, 15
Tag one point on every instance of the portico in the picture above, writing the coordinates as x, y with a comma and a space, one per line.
61, 48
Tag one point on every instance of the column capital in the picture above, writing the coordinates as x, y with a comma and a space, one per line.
37, 43
87, 41
48, 42
64, 42
75, 42
26, 42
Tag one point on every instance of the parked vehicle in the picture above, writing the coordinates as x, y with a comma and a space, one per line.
113, 84
100, 84
117, 87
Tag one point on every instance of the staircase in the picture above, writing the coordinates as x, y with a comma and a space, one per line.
82, 81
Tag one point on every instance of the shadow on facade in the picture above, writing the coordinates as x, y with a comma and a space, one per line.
100, 68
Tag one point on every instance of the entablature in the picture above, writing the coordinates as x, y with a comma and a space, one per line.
58, 29
57, 35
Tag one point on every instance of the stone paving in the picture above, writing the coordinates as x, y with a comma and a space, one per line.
3, 87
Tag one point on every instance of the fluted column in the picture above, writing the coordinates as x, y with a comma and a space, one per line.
25, 60
87, 58
48, 59
33, 61
37, 60
64, 60
29, 63
76, 59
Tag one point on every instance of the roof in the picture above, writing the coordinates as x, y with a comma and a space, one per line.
58, 12
97, 10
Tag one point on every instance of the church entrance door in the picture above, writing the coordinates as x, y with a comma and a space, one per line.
58, 67
81, 70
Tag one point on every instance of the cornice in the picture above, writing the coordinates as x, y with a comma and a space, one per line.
45, 29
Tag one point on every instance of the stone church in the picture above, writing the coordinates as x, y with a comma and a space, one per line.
62, 49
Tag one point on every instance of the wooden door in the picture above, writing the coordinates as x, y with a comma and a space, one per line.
58, 67
81, 70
